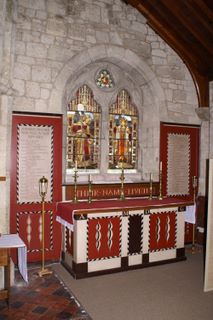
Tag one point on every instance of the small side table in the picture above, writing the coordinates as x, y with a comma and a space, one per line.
5, 262
8, 242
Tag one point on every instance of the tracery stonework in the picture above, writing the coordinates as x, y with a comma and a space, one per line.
104, 79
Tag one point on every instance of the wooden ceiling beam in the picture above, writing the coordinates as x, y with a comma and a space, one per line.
206, 7
196, 11
174, 37
179, 12
183, 38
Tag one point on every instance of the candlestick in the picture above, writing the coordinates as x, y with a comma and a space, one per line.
90, 189
194, 248
43, 184
160, 197
150, 187
75, 176
122, 178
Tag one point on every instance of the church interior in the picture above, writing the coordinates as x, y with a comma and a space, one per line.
106, 167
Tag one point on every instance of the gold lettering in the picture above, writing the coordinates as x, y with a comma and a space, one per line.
116, 192
96, 193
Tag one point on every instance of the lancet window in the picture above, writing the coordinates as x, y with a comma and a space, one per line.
123, 133
83, 131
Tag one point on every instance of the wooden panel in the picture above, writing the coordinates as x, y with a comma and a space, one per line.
103, 238
112, 190
208, 282
162, 231
25, 215
193, 133
5, 262
3, 257
188, 233
135, 234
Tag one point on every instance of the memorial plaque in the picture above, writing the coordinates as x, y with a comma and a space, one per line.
35, 159
178, 166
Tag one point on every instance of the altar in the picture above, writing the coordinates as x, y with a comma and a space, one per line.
108, 236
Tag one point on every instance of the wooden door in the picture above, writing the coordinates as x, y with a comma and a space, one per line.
36, 151
179, 154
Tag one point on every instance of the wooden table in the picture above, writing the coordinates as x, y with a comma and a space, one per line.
7, 242
5, 262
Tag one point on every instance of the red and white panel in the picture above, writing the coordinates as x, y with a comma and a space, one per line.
162, 231
103, 238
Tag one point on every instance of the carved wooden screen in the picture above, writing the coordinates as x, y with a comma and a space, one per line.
35, 152
123, 133
179, 153
83, 131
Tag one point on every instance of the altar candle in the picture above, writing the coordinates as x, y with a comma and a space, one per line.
150, 176
161, 166
89, 178
76, 164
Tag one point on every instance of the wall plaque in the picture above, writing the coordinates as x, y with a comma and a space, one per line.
35, 157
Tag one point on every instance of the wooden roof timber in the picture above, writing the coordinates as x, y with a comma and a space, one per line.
187, 26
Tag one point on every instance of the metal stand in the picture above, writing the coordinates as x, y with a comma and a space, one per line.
43, 183
194, 248
43, 271
160, 197
150, 187
89, 190
122, 178
75, 185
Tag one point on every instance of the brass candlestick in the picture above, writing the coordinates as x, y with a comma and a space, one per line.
122, 178
150, 187
160, 197
194, 185
75, 176
89, 189
43, 184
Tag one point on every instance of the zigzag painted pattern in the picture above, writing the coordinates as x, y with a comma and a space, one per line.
167, 248
19, 214
87, 241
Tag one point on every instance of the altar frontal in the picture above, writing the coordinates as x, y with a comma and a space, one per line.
115, 235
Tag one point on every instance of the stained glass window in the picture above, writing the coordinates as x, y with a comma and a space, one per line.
123, 133
104, 79
83, 130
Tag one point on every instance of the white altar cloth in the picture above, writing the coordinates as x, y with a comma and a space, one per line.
8, 241
190, 214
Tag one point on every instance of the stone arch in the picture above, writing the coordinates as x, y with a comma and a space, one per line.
126, 59
154, 105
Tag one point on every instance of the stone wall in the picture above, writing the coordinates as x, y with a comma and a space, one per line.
51, 47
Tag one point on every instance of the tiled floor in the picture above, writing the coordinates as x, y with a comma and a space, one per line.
43, 298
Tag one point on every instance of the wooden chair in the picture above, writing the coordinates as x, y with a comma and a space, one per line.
5, 262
